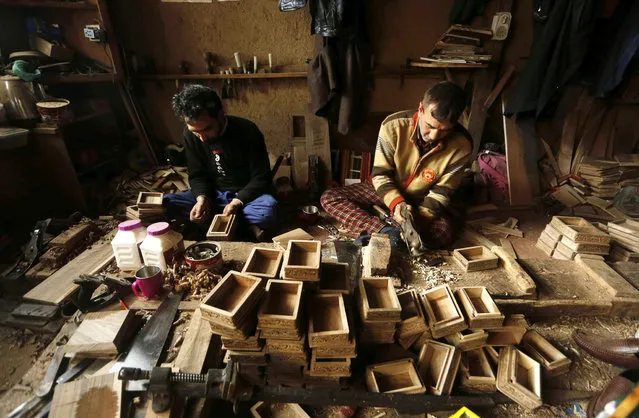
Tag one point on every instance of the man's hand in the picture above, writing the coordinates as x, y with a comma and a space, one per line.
397, 213
232, 207
200, 211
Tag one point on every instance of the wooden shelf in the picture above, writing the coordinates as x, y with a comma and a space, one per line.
298, 74
78, 78
81, 5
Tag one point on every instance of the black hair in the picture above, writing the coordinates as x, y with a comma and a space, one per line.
194, 100
449, 100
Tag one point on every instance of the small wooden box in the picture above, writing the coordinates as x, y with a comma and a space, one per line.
378, 299
413, 320
302, 260
149, 200
480, 309
477, 374
264, 262
281, 305
399, 376
222, 228
469, 339
475, 258
335, 278
579, 230
511, 333
437, 365
328, 324
278, 410
553, 361
519, 378
444, 315
329, 366
233, 297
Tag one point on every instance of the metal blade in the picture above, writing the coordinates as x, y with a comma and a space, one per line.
52, 372
148, 344
74, 371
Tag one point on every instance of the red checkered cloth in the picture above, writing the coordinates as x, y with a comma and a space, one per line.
351, 206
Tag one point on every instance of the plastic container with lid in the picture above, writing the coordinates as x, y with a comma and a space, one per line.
126, 245
161, 245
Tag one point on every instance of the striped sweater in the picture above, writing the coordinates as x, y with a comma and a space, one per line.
400, 174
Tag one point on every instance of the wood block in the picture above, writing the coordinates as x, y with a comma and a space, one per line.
378, 299
329, 366
281, 241
597, 249
103, 334
231, 299
35, 310
444, 315
511, 333
413, 320
149, 200
616, 285
468, 339
552, 232
281, 305
264, 262
579, 230
337, 351
302, 260
277, 410
376, 255
437, 365
519, 378
99, 397
477, 374
553, 361
479, 307
335, 278
328, 324
399, 376
475, 258
222, 228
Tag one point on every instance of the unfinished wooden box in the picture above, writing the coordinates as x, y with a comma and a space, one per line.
477, 375
376, 255
328, 324
264, 262
302, 260
149, 200
232, 299
329, 366
335, 278
278, 410
251, 343
292, 334
222, 228
597, 249
553, 361
337, 351
579, 230
413, 321
399, 376
468, 339
519, 378
378, 300
281, 305
437, 365
480, 309
444, 315
511, 333
475, 258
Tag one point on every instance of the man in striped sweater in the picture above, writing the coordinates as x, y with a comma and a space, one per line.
419, 161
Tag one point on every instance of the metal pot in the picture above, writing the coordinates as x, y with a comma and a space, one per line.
19, 102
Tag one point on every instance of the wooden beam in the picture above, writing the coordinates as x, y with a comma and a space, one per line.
521, 160
499, 87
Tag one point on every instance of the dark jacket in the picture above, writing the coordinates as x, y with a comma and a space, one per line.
236, 161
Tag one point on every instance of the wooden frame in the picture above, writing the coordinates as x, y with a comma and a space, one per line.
232, 299
278, 410
263, 262
335, 278
302, 260
437, 365
280, 307
468, 339
477, 375
399, 376
444, 315
579, 230
553, 361
475, 258
519, 378
327, 324
511, 333
413, 320
222, 228
479, 307
149, 200
378, 299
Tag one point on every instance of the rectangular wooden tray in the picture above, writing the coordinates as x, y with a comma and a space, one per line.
328, 323
264, 262
553, 361
477, 375
335, 278
281, 304
233, 297
480, 309
378, 299
399, 376
302, 260
442, 311
149, 200
437, 365
222, 228
413, 320
475, 258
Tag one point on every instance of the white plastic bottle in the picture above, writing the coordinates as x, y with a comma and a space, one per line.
161, 245
126, 245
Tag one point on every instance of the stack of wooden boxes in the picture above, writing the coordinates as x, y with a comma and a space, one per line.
601, 177
302, 261
413, 322
625, 238
379, 310
148, 208
566, 236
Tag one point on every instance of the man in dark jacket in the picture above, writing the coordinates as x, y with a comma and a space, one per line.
229, 169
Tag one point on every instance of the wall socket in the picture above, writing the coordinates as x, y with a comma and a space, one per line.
94, 33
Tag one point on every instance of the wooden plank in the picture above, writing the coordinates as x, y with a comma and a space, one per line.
629, 271
508, 247
604, 274
516, 273
551, 159
95, 397
569, 132
59, 286
499, 87
72, 236
591, 127
501, 229
103, 334
195, 347
35, 310
520, 187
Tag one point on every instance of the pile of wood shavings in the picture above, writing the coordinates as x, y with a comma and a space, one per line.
197, 284
432, 276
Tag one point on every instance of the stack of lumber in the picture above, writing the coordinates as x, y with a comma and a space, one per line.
625, 239
379, 310
629, 168
601, 177
566, 236
458, 45
148, 208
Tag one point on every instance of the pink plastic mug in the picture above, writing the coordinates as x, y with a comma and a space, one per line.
148, 281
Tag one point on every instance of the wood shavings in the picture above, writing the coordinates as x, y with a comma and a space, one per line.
433, 276
179, 277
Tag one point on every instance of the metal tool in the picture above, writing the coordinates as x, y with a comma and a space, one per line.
33, 248
148, 344
410, 234
116, 289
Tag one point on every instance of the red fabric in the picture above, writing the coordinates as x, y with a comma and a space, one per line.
492, 167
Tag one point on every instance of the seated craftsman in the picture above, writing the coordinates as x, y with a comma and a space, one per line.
419, 160
228, 166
